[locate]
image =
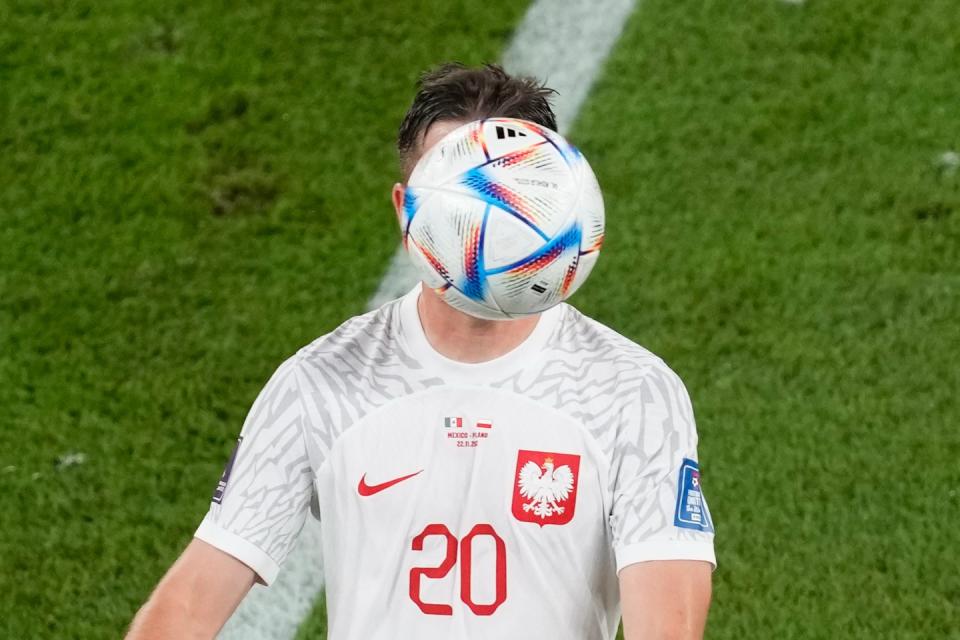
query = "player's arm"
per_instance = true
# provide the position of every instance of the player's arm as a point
(662, 528)
(255, 516)
(195, 598)
(665, 599)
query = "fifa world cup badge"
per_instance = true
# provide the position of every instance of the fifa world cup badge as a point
(691, 511)
(545, 487)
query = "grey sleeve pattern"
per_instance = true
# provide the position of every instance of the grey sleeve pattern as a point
(268, 490)
(308, 403)
(657, 435)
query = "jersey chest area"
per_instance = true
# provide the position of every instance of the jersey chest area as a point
(451, 452)
(443, 502)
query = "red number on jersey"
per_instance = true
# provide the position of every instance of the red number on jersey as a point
(433, 572)
(466, 563)
(466, 555)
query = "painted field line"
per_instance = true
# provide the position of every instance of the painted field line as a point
(563, 42)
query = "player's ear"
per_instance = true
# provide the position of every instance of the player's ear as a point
(397, 197)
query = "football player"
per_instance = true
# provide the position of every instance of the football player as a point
(531, 478)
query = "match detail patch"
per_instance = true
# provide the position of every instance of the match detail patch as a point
(692, 512)
(222, 485)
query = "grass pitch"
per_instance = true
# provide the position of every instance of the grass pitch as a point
(191, 192)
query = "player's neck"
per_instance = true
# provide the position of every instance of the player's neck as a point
(462, 337)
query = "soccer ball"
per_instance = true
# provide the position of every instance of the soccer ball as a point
(503, 218)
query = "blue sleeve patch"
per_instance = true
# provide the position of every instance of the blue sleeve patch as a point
(692, 512)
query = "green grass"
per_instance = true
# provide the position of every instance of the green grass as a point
(192, 192)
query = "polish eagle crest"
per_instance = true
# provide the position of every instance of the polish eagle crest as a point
(544, 487)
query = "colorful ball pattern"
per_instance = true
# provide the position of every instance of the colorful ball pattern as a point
(503, 218)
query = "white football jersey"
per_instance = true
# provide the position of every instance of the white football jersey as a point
(490, 501)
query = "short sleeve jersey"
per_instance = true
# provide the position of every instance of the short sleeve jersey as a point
(467, 500)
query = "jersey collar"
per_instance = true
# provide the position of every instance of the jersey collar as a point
(523, 354)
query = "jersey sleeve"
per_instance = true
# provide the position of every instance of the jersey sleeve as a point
(658, 510)
(264, 494)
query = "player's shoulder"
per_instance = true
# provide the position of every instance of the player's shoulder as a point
(362, 338)
(607, 348)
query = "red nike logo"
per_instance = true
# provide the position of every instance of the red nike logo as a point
(365, 489)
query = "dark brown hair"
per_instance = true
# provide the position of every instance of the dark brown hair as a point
(453, 91)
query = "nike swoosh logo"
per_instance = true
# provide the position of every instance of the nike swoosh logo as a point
(365, 489)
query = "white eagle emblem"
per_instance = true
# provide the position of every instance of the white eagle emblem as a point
(545, 489)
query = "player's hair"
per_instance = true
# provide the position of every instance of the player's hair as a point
(453, 91)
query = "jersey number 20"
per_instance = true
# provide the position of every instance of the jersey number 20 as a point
(466, 563)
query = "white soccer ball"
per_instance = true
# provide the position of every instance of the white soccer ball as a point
(503, 218)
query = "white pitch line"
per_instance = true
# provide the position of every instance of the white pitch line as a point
(562, 42)
(565, 43)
